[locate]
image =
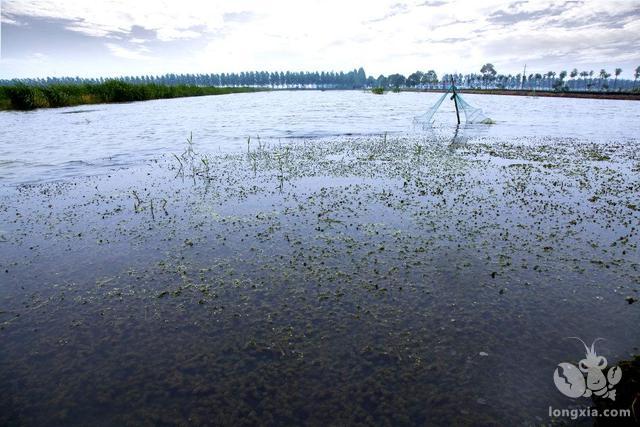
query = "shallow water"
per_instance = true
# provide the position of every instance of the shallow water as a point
(51, 144)
(418, 278)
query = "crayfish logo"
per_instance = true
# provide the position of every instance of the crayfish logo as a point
(570, 379)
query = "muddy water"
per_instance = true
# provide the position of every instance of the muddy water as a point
(417, 278)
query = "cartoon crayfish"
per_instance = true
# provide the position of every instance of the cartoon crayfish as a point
(570, 379)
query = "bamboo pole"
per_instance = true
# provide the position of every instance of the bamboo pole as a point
(455, 99)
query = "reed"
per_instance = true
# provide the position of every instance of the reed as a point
(29, 97)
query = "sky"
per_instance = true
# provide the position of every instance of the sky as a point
(91, 38)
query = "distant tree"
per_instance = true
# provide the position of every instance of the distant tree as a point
(382, 81)
(584, 75)
(361, 77)
(396, 80)
(559, 84)
(550, 76)
(617, 72)
(414, 79)
(636, 75)
(574, 73)
(603, 76)
(430, 77)
(488, 72)
(538, 78)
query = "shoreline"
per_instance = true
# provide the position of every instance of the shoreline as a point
(74, 96)
(627, 96)
(29, 98)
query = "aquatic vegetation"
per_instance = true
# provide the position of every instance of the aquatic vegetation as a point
(377, 90)
(379, 279)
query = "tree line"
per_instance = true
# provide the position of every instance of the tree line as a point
(487, 78)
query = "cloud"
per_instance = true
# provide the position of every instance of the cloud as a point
(507, 17)
(135, 53)
(394, 10)
(7, 20)
(120, 36)
(432, 3)
(170, 34)
(138, 32)
(610, 19)
(100, 18)
(450, 40)
(244, 16)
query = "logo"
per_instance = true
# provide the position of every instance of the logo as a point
(570, 379)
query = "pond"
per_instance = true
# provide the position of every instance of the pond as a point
(313, 257)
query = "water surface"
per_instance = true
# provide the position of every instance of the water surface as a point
(50, 144)
(325, 273)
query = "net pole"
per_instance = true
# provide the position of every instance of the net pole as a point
(455, 99)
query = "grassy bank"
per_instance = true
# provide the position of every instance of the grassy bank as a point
(24, 97)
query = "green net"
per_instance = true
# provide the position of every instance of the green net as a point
(471, 114)
(427, 118)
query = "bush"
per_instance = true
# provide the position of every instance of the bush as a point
(378, 90)
(25, 97)
(56, 96)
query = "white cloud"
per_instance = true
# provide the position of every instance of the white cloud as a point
(382, 35)
(137, 53)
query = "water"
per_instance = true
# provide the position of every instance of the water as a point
(335, 276)
(53, 144)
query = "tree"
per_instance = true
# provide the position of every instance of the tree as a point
(636, 75)
(415, 79)
(430, 77)
(361, 77)
(488, 72)
(538, 77)
(584, 75)
(550, 76)
(603, 76)
(396, 80)
(617, 73)
(559, 84)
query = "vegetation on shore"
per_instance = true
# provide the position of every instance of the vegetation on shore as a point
(28, 97)
(29, 94)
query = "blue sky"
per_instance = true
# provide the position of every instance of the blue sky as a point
(118, 37)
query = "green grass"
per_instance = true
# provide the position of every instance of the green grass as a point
(378, 90)
(25, 97)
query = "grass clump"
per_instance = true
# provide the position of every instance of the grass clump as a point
(377, 90)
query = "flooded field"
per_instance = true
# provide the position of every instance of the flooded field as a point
(340, 268)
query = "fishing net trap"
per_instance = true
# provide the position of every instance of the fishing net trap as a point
(471, 114)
